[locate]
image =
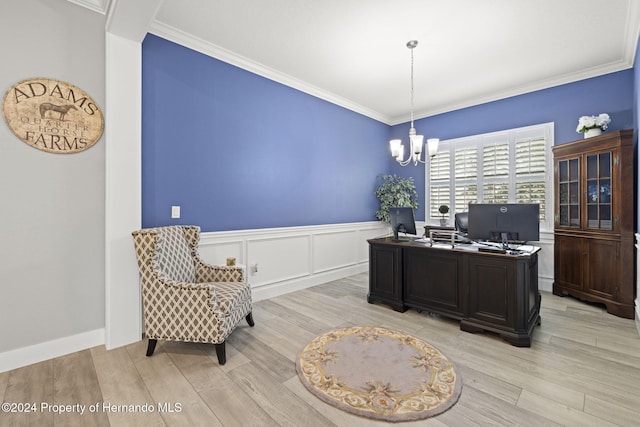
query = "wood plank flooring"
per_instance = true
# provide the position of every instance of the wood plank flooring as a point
(583, 369)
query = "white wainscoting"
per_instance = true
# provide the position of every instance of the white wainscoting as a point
(282, 260)
(545, 261)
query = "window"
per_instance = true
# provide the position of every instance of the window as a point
(511, 166)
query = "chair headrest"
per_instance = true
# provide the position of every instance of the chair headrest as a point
(462, 222)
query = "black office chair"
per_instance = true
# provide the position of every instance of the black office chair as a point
(462, 222)
(462, 227)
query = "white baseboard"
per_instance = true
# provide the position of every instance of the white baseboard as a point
(281, 288)
(545, 283)
(51, 349)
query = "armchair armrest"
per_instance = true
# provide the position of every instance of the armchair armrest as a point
(217, 273)
(197, 299)
(189, 294)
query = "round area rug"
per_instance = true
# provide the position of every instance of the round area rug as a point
(379, 373)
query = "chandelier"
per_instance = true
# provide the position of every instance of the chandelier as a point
(416, 142)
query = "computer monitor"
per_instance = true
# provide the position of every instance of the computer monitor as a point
(402, 221)
(511, 222)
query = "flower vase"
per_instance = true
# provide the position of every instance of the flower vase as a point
(592, 132)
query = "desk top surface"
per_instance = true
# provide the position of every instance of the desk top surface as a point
(514, 250)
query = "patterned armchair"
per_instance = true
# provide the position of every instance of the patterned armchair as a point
(184, 299)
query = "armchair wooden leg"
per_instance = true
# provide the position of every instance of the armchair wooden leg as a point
(222, 353)
(151, 347)
(249, 318)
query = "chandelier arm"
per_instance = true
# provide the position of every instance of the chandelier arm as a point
(405, 163)
(402, 162)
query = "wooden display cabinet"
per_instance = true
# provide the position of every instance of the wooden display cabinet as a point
(593, 222)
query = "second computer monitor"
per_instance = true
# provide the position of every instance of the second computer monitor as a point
(402, 220)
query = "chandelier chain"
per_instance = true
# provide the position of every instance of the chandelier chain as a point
(411, 86)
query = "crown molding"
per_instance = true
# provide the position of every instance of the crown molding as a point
(519, 90)
(99, 6)
(177, 36)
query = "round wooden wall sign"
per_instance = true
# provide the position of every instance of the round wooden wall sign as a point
(53, 116)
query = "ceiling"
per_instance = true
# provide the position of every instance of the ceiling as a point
(353, 52)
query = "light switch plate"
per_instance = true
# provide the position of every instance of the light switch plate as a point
(175, 211)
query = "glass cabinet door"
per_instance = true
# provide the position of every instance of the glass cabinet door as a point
(599, 207)
(569, 192)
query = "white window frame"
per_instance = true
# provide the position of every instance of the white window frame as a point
(544, 130)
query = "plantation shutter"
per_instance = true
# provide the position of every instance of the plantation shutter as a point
(511, 166)
(466, 165)
(466, 174)
(495, 173)
(530, 168)
(495, 160)
(465, 194)
(440, 177)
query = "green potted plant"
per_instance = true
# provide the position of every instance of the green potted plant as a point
(443, 209)
(395, 191)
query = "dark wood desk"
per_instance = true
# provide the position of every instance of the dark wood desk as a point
(485, 291)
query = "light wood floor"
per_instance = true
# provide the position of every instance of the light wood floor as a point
(582, 370)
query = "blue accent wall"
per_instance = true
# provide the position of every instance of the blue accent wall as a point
(563, 105)
(240, 151)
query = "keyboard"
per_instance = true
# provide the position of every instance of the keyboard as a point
(491, 250)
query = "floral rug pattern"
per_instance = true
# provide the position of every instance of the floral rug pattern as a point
(379, 373)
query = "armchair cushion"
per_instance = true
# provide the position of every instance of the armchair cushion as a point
(173, 258)
(229, 295)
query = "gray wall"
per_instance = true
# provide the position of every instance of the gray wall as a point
(52, 206)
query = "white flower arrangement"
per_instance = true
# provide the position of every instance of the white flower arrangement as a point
(591, 122)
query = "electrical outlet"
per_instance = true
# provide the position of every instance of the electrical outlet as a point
(254, 268)
(175, 211)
